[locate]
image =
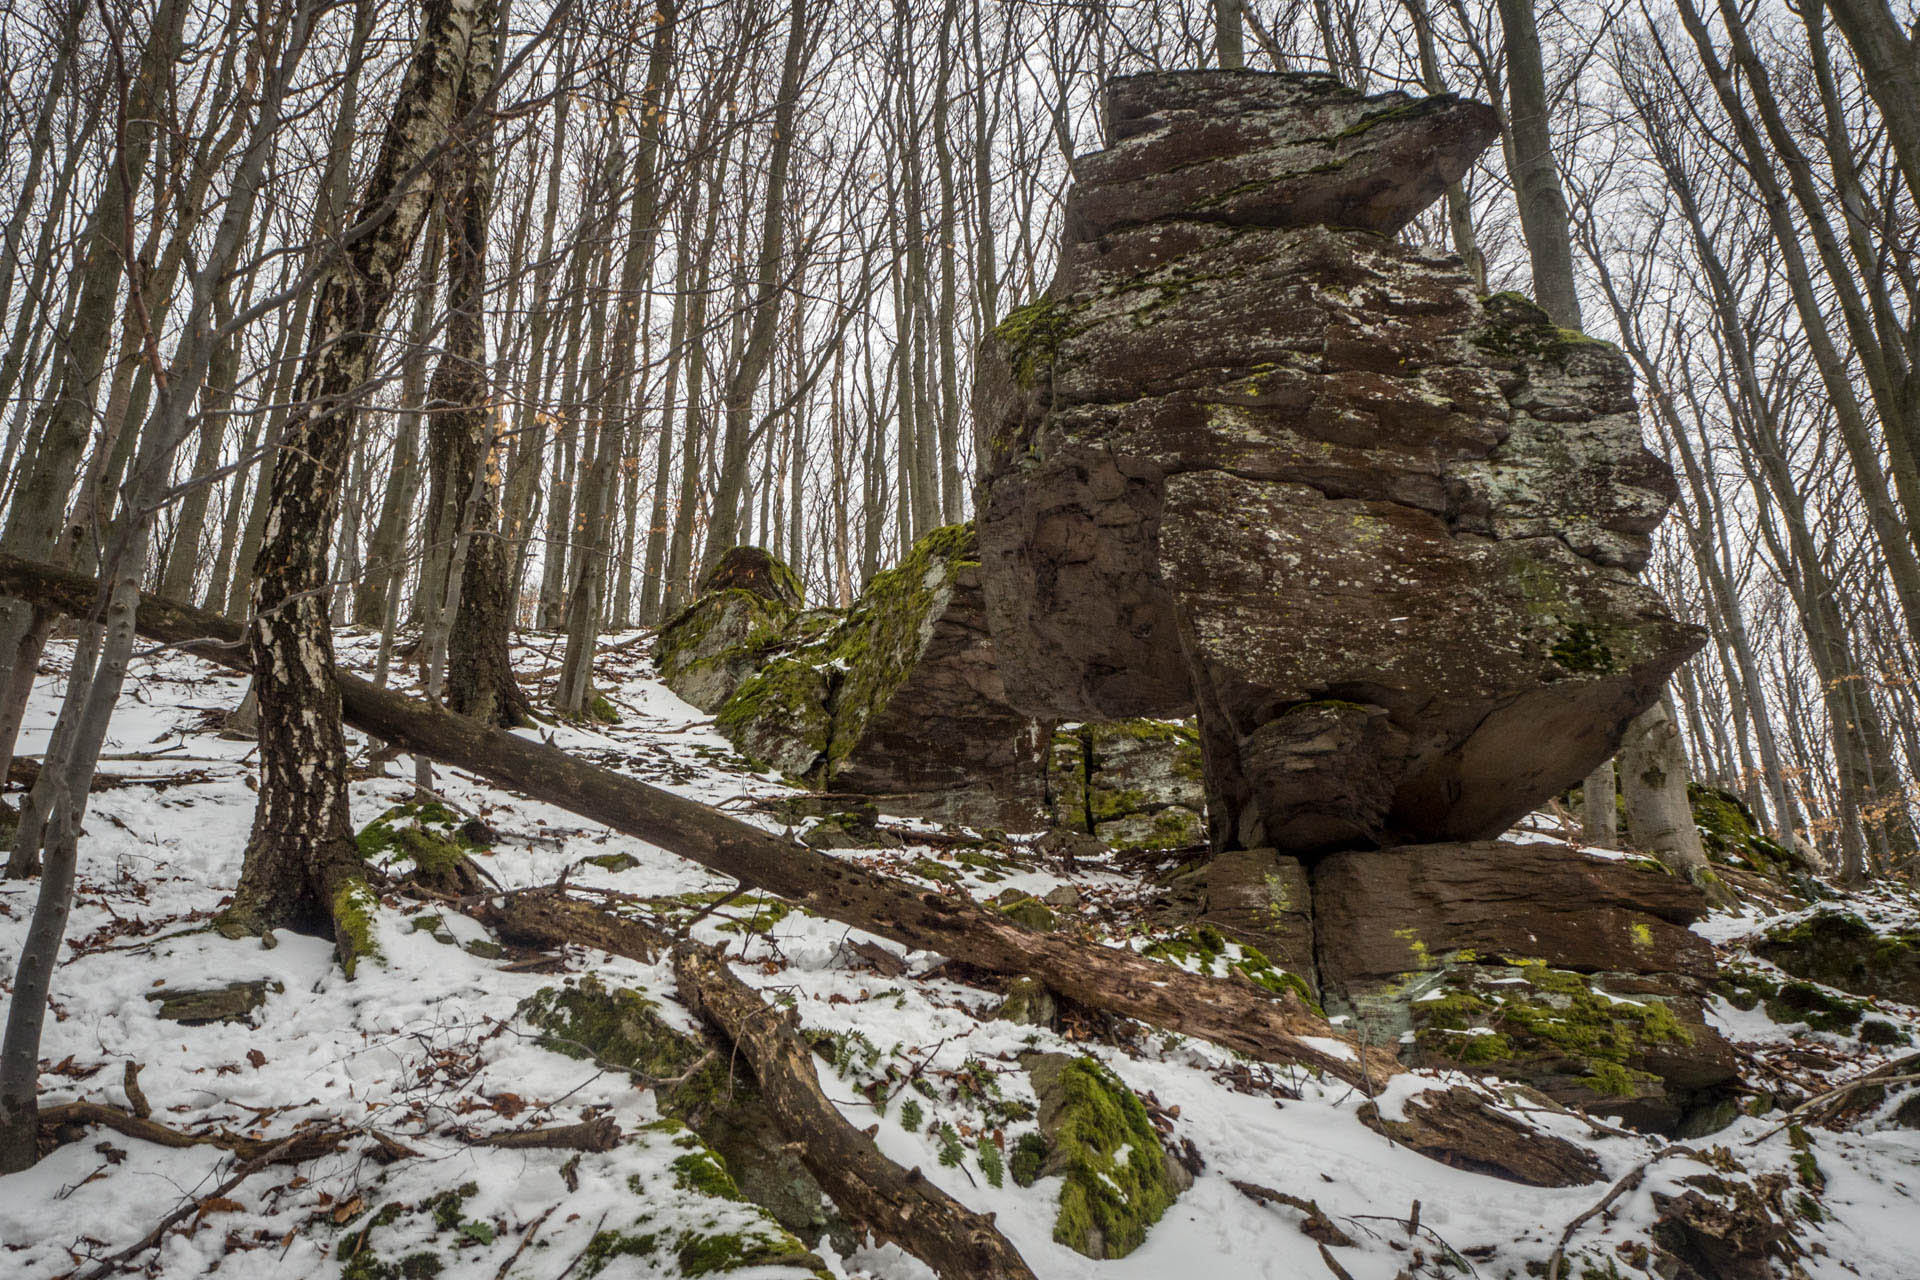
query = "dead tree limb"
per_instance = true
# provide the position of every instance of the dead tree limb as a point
(1235, 1014)
(303, 1145)
(895, 1204)
(1231, 1012)
(602, 1134)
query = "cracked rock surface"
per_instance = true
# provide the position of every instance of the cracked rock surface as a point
(1251, 458)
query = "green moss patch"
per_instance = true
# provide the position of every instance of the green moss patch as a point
(1531, 1022)
(1204, 949)
(1117, 1179)
(807, 710)
(1730, 834)
(1031, 335)
(430, 839)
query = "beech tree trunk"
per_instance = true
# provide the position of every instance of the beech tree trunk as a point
(1659, 817)
(302, 867)
(478, 667)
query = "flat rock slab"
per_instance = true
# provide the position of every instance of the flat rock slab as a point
(1243, 147)
(234, 1002)
(1380, 915)
(1378, 531)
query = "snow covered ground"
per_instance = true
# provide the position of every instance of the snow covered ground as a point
(426, 1050)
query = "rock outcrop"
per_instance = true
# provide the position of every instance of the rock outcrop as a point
(746, 609)
(901, 700)
(1539, 963)
(1134, 784)
(1250, 457)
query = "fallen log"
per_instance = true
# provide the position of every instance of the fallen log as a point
(602, 1134)
(897, 1205)
(1233, 1013)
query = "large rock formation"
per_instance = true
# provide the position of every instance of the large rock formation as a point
(1252, 457)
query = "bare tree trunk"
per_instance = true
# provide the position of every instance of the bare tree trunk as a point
(1536, 177)
(1229, 44)
(302, 866)
(37, 516)
(765, 305)
(1600, 809)
(1659, 817)
(100, 661)
(478, 670)
(585, 595)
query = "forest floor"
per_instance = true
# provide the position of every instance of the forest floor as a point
(425, 1047)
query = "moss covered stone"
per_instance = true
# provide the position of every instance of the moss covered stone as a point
(1030, 335)
(1559, 1030)
(427, 838)
(1136, 784)
(1117, 1178)
(704, 652)
(1730, 834)
(1843, 950)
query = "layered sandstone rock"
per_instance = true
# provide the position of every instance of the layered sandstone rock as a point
(901, 700)
(1133, 784)
(1539, 963)
(1252, 458)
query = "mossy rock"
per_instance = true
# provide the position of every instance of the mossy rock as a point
(1566, 1034)
(853, 829)
(1024, 908)
(1731, 835)
(780, 718)
(758, 572)
(1028, 1003)
(1135, 784)
(808, 709)
(707, 650)
(1117, 1178)
(1843, 950)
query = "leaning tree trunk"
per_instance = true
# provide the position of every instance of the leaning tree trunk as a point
(301, 863)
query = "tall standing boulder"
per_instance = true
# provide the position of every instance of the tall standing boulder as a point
(1250, 456)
